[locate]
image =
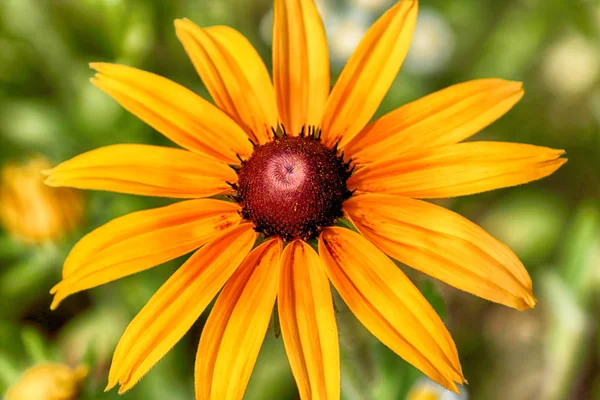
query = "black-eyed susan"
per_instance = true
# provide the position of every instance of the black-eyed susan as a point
(48, 381)
(33, 212)
(295, 158)
(425, 389)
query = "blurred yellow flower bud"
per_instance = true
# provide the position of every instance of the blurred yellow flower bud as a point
(426, 389)
(48, 382)
(32, 211)
(424, 394)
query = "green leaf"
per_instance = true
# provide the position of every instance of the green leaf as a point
(35, 345)
(275, 326)
(395, 377)
(9, 373)
(433, 296)
(579, 261)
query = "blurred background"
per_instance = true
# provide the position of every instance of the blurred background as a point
(49, 112)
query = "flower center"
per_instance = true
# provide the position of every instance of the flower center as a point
(293, 187)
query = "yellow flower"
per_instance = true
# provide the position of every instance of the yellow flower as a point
(30, 210)
(295, 158)
(425, 389)
(48, 382)
(424, 394)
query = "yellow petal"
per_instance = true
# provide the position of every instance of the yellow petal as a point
(234, 75)
(387, 303)
(308, 323)
(445, 117)
(458, 170)
(175, 307)
(142, 240)
(176, 112)
(300, 64)
(144, 170)
(369, 73)
(444, 245)
(236, 327)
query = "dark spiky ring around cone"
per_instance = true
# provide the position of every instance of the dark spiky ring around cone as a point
(293, 186)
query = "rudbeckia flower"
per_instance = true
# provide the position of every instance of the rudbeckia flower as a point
(32, 212)
(425, 389)
(48, 382)
(295, 158)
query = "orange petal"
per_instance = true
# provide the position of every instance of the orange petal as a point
(369, 73)
(176, 112)
(387, 303)
(144, 170)
(308, 323)
(444, 245)
(445, 117)
(175, 307)
(236, 327)
(458, 170)
(142, 240)
(300, 64)
(234, 75)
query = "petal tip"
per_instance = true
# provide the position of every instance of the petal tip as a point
(515, 84)
(507, 89)
(414, 4)
(49, 181)
(530, 301)
(411, 7)
(56, 287)
(182, 24)
(124, 387)
(60, 293)
(448, 383)
(454, 388)
(559, 161)
(95, 80)
(513, 90)
(526, 302)
(111, 384)
(520, 92)
(98, 66)
(179, 22)
(55, 303)
(113, 378)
